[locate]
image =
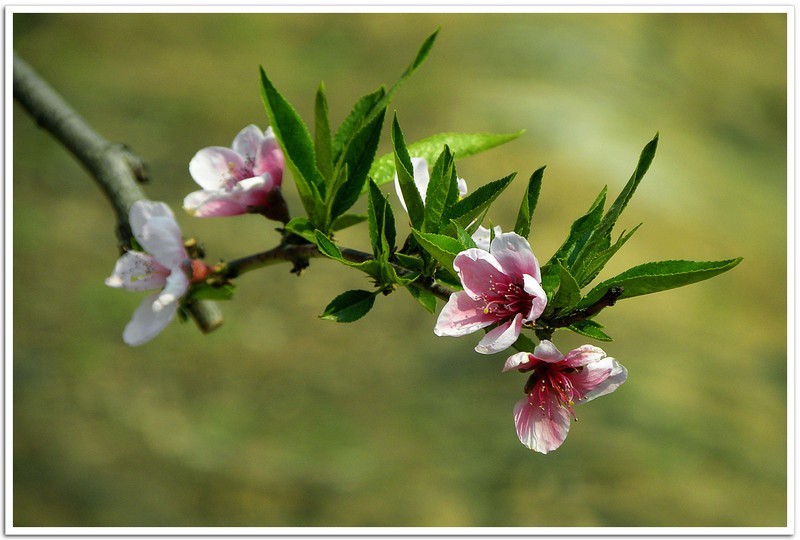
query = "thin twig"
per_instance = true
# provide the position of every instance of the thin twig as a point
(114, 167)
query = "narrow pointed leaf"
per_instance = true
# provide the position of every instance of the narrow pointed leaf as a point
(461, 145)
(468, 208)
(381, 222)
(425, 298)
(463, 236)
(347, 220)
(355, 120)
(528, 205)
(349, 306)
(323, 149)
(591, 329)
(443, 248)
(443, 178)
(659, 276)
(580, 231)
(569, 293)
(301, 227)
(405, 175)
(590, 268)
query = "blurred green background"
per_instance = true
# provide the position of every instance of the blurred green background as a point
(282, 419)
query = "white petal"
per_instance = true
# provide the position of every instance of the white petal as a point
(502, 337)
(516, 360)
(537, 430)
(142, 211)
(215, 166)
(533, 288)
(176, 286)
(421, 179)
(461, 315)
(462, 187)
(137, 271)
(547, 352)
(247, 142)
(618, 376)
(146, 322)
(515, 255)
(161, 237)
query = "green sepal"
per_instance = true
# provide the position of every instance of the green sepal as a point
(591, 329)
(425, 298)
(470, 207)
(659, 276)
(430, 148)
(349, 306)
(528, 205)
(298, 149)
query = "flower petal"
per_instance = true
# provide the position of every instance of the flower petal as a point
(137, 271)
(502, 337)
(142, 211)
(583, 355)
(515, 256)
(478, 270)
(517, 361)
(161, 237)
(270, 159)
(483, 236)
(599, 378)
(147, 322)
(538, 430)
(214, 167)
(462, 188)
(461, 315)
(176, 286)
(539, 300)
(247, 142)
(212, 203)
(547, 352)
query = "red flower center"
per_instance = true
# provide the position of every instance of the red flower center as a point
(505, 300)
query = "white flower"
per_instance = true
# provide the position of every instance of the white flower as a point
(165, 266)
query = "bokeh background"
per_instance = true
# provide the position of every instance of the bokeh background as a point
(282, 419)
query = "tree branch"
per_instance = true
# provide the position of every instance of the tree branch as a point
(113, 166)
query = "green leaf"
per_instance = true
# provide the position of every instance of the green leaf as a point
(412, 263)
(524, 344)
(370, 267)
(405, 175)
(528, 205)
(204, 291)
(463, 236)
(569, 293)
(659, 276)
(347, 220)
(589, 269)
(443, 248)
(349, 306)
(355, 120)
(298, 149)
(461, 145)
(357, 157)
(426, 298)
(443, 178)
(381, 222)
(302, 227)
(580, 231)
(323, 149)
(591, 329)
(468, 208)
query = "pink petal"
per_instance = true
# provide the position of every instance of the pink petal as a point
(147, 322)
(583, 355)
(536, 429)
(478, 270)
(599, 378)
(215, 166)
(137, 271)
(516, 361)
(461, 315)
(533, 288)
(502, 337)
(142, 211)
(515, 256)
(161, 237)
(229, 202)
(247, 142)
(270, 159)
(547, 352)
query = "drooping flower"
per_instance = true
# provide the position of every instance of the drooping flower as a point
(556, 384)
(501, 286)
(242, 179)
(165, 266)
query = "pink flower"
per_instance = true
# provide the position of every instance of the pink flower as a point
(557, 383)
(501, 286)
(165, 266)
(237, 180)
